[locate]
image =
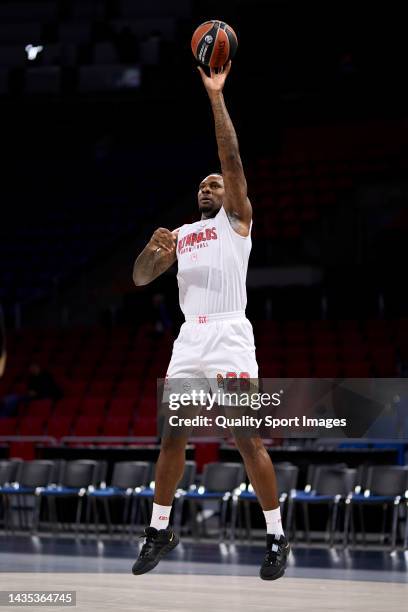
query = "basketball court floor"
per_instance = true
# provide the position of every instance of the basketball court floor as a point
(203, 576)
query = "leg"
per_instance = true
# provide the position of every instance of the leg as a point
(169, 469)
(262, 476)
(160, 538)
(260, 471)
(171, 462)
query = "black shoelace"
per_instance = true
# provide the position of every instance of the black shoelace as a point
(272, 556)
(147, 546)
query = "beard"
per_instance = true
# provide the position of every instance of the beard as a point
(209, 209)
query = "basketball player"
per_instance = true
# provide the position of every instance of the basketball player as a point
(216, 338)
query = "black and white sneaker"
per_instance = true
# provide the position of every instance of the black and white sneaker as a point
(157, 544)
(274, 565)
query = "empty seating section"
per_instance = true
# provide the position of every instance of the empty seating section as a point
(109, 379)
(56, 246)
(97, 46)
(289, 196)
(316, 171)
(96, 38)
(117, 497)
(333, 349)
(76, 48)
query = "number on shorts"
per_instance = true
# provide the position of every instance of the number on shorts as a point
(244, 381)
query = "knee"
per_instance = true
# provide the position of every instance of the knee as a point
(250, 448)
(172, 445)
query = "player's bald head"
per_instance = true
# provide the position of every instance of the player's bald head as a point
(215, 175)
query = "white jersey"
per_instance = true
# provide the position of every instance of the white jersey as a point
(212, 266)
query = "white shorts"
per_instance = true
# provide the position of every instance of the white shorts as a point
(209, 347)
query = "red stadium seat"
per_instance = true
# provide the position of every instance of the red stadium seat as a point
(325, 337)
(145, 427)
(93, 406)
(149, 386)
(322, 354)
(76, 388)
(347, 327)
(107, 372)
(268, 356)
(320, 325)
(40, 408)
(296, 339)
(67, 406)
(130, 374)
(353, 352)
(31, 426)
(147, 405)
(100, 388)
(384, 362)
(291, 353)
(347, 337)
(327, 369)
(59, 426)
(358, 369)
(128, 388)
(88, 425)
(401, 327)
(271, 369)
(139, 353)
(121, 407)
(206, 452)
(298, 369)
(116, 426)
(8, 426)
(24, 450)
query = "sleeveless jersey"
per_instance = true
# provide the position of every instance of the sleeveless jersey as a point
(212, 266)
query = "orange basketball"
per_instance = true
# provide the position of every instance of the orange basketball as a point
(214, 43)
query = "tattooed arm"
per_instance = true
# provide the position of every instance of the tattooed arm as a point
(236, 202)
(157, 256)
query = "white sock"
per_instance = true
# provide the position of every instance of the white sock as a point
(160, 516)
(274, 524)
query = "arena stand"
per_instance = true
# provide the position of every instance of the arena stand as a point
(117, 66)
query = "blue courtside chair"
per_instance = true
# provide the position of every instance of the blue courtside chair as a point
(31, 478)
(128, 477)
(330, 486)
(76, 477)
(387, 486)
(286, 479)
(218, 483)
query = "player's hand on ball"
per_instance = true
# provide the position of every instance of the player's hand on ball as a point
(216, 81)
(163, 239)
